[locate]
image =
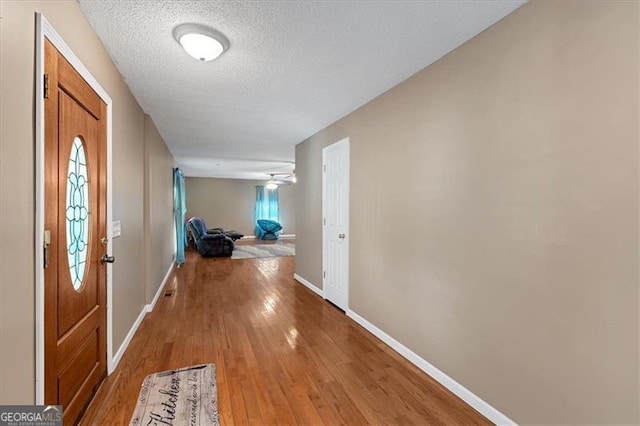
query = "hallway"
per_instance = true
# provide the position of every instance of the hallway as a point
(283, 355)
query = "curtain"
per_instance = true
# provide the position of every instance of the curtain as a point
(272, 208)
(266, 206)
(179, 213)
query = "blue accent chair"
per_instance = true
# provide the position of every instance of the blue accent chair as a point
(207, 244)
(268, 229)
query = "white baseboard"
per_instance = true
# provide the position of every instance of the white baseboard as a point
(127, 339)
(463, 393)
(149, 307)
(308, 284)
(134, 328)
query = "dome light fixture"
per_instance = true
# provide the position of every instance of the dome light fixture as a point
(201, 42)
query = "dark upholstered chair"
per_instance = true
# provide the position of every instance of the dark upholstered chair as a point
(233, 234)
(209, 245)
(268, 229)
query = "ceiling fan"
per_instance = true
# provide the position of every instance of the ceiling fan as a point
(283, 179)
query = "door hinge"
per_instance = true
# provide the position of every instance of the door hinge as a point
(45, 245)
(324, 220)
(46, 86)
(324, 274)
(324, 168)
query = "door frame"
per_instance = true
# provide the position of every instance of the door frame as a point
(335, 145)
(45, 30)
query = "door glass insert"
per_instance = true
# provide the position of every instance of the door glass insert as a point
(77, 213)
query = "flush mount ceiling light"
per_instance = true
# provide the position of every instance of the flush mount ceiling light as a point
(202, 43)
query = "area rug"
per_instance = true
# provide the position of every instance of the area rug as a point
(264, 250)
(187, 396)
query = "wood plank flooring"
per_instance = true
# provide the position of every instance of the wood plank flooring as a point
(283, 355)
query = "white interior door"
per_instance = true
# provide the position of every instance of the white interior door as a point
(335, 195)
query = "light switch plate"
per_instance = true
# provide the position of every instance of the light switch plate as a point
(117, 229)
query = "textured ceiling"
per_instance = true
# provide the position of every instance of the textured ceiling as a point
(293, 67)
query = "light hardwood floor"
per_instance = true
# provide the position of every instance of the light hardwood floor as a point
(283, 355)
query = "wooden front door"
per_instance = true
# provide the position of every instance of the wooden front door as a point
(75, 219)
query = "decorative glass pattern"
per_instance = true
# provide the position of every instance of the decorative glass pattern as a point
(77, 213)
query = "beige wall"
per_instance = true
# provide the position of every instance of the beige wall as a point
(230, 203)
(494, 213)
(308, 209)
(17, 324)
(287, 205)
(160, 236)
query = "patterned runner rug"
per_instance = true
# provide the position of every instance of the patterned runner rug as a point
(264, 250)
(187, 396)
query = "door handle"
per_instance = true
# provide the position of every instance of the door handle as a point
(107, 259)
(342, 236)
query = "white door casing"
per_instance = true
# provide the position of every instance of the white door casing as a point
(335, 207)
(45, 30)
